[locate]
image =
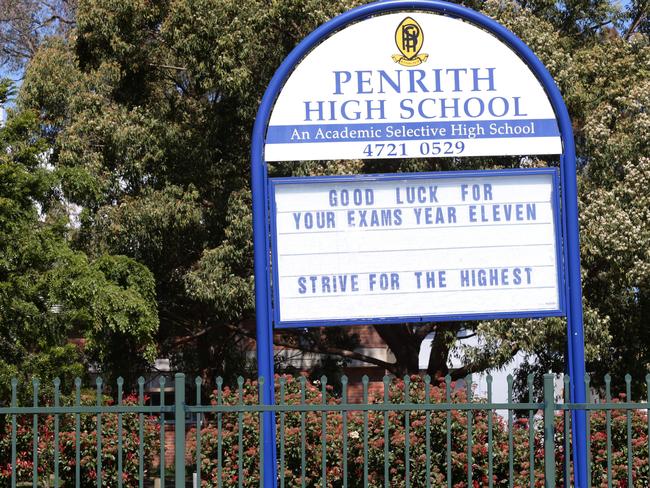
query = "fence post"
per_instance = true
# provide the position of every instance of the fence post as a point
(549, 431)
(179, 430)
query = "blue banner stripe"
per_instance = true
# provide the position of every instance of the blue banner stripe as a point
(411, 131)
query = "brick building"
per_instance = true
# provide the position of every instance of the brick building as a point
(371, 345)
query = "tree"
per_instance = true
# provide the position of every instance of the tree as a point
(148, 107)
(615, 219)
(50, 292)
(606, 89)
(25, 24)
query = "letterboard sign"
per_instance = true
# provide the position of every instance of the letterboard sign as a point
(411, 84)
(410, 79)
(420, 246)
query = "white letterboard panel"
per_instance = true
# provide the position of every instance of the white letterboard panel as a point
(405, 247)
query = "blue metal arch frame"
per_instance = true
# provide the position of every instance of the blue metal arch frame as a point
(259, 186)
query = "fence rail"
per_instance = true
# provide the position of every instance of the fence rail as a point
(412, 434)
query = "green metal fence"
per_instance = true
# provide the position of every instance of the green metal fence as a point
(408, 432)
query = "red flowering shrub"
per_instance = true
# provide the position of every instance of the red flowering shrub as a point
(619, 447)
(88, 448)
(351, 441)
(220, 443)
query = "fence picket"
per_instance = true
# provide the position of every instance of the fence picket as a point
(35, 384)
(14, 404)
(549, 432)
(198, 382)
(324, 431)
(77, 437)
(628, 423)
(120, 481)
(179, 430)
(448, 428)
(511, 461)
(161, 383)
(470, 461)
(141, 433)
(57, 394)
(386, 382)
(283, 382)
(490, 413)
(344, 416)
(427, 431)
(608, 427)
(589, 456)
(240, 424)
(407, 433)
(531, 432)
(364, 382)
(98, 382)
(567, 432)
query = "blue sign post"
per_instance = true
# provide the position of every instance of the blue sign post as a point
(412, 53)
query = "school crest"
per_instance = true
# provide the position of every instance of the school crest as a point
(409, 39)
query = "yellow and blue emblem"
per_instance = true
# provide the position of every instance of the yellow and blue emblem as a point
(409, 39)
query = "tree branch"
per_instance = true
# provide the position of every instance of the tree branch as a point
(337, 351)
(475, 366)
(423, 331)
(51, 19)
(595, 27)
(167, 66)
(439, 353)
(179, 341)
(636, 22)
(468, 336)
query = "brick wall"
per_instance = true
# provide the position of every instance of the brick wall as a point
(368, 336)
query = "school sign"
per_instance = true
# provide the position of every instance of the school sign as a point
(414, 79)
(411, 84)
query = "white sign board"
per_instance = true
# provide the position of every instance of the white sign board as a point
(416, 246)
(411, 84)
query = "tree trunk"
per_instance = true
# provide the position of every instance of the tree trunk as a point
(404, 344)
(439, 353)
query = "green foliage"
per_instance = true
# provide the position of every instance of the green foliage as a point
(6, 90)
(148, 107)
(614, 95)
(223, 276)
(50, 292)
(603, 75)
(145, 109)
(617, 236)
